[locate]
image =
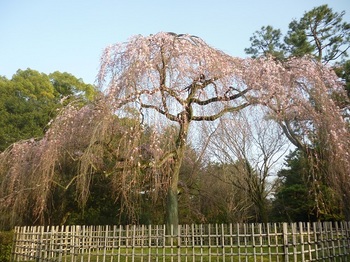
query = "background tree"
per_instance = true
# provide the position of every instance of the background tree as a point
(266, 42)
(254, 150)
(31, 99)
(321, 34)
(293, 201)
(68, 87)
(219, 200)
(27, 102)
(343, 70)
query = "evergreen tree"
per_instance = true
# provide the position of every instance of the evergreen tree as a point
(294, 201)
(31, 99)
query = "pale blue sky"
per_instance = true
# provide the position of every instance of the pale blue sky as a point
(69, 35)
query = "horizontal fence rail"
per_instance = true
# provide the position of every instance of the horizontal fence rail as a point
(325, 241)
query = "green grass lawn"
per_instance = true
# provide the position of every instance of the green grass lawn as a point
(169, 254)
(188, 254)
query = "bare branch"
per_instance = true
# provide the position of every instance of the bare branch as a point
(221, 98)
(220, 114)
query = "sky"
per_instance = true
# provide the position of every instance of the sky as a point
(70, 35)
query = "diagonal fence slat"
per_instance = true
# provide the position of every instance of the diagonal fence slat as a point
(326, 241)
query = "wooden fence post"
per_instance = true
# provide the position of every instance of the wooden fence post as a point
(285, 241)
(39, 243)
(14, 249)
(301, 232)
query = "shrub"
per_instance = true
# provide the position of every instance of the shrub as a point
(6, 238)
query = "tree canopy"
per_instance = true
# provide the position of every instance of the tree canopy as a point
(31, 99)
(320, 33)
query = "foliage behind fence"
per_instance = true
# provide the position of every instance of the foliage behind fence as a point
(6, 238)
(216, 242)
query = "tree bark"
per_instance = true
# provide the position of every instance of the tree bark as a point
(172, 214)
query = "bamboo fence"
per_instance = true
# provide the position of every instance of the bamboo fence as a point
(325, 241)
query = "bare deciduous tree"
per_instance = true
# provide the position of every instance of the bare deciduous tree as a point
(251, 146)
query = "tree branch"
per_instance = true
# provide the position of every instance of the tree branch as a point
(290, 134)
(221, 113)
(219, 98)
(163, 112)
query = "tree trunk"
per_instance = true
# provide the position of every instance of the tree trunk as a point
(172, 212)
(172, 216)
(263, 214)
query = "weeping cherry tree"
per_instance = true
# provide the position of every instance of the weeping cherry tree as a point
(177, 79)
(156, 81)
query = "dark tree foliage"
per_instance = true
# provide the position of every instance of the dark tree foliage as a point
(343, 70)
(266, 42)
(294, 201)
(320, 32)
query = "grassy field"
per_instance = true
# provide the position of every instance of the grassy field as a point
(188, 254)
